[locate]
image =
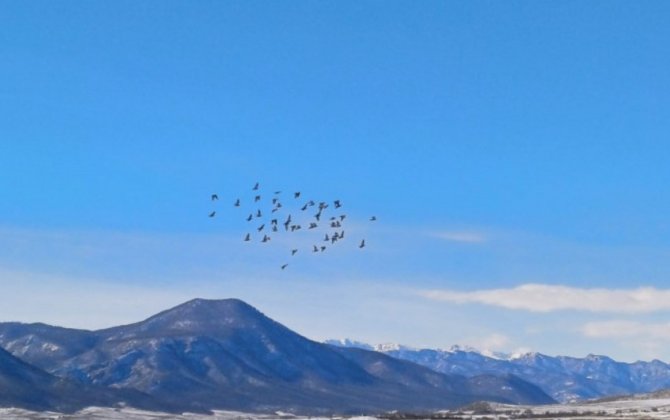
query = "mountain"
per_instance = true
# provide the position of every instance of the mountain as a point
(225, 354)
(24, 385)
(565, 379)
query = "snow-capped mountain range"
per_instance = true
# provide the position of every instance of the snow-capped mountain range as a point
(225, 354)
(565, 378)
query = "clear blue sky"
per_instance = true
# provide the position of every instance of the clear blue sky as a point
(499, 143)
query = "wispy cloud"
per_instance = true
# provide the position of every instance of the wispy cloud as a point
(626, 329)
(470, 237)
(549, 298)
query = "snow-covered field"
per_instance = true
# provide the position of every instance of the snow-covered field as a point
(623, 409)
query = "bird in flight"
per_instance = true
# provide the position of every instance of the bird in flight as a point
(284, 266)
(373, 218)
(296, 194)
(257, 198)
(261, 227)
(258, 213)
(337, 204)
(251, 216)
(255, 188)
(237, 203)
(212, 214)
(215, 197)
(247, 238)
(362, 245)
(265, 238)
(293, 252)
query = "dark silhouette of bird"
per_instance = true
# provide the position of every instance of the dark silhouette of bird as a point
(274, 200)
(293, 252)
(313, 225)
(373, 218)
(333, 218)
(257, 198)
(258, 213)
(277, 192)
(296, 194)
(274, 229)
(251, 216)
(342, 217)
(261, 227)
(310, 203)
(274, 222)
(327, 238)
(265, 238)
(255, 188)
(337, 204)
(237, 202)
(318, 216)
(212, 214)
(315, 249)
(303, 208)
(284, 266)
(215, 197)
(323, 248)
(247, 238)
(341, 234)
(362, 245)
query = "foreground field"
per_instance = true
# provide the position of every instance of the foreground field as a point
(658, 408)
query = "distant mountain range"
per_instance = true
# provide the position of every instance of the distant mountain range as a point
(565, 379)
(225, 354)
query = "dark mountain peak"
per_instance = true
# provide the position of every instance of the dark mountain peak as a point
(196, 317)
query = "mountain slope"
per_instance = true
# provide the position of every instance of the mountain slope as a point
(564, 378)
(226, 354)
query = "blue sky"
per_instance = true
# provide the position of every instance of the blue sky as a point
(500, 144)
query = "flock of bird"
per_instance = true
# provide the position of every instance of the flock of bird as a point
(274, 219)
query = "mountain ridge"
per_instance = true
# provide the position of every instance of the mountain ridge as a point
(565, 378)
(226, 354)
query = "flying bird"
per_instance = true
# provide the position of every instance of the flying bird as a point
(215, 197)
(261, 227)
(337, 204)
(326, 238)
(315, 249)
(274, 229)
(284, 266)
(303, 208)
(313, 225)
(212, 214)
(255, 188)
(373, 218)
(257, 198)
(265, 238)
(323, 248)
(296, 194)
(247, 238)
(237, 203)
(362, 245)
(251, 216)
(293, 252)
(342, 217)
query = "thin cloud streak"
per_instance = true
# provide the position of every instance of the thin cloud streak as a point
(550, 298)
(461, 236)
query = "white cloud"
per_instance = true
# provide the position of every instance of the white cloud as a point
(495, 342)
(549, 298)
(626, 329)
(461, 236)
